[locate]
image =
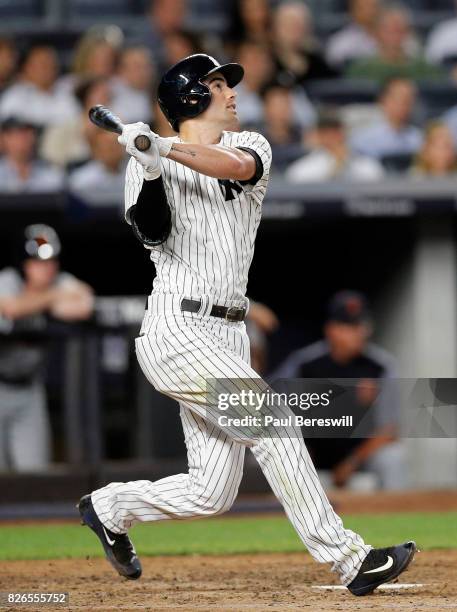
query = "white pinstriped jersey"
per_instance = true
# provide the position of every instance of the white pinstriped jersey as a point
(208, 253)
(214, 225)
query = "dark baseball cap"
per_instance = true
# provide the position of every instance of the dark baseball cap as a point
(329, 119)
(348, 307)
(13, 122)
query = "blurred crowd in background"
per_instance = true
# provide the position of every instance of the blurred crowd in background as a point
(361, 91)
(398, 81)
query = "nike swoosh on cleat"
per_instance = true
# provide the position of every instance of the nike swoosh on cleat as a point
(110, 542)
(384, 567)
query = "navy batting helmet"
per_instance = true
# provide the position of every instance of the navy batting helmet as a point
(182, 93)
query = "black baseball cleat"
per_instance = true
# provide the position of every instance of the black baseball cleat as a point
(118, 547)
(382, 565)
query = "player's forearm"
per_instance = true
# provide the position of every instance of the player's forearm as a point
(25, 304)
(214, 160)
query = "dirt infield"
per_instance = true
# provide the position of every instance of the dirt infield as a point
(350, 502)
(273, 582)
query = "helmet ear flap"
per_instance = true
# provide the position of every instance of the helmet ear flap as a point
(195, 101)
(191, 99)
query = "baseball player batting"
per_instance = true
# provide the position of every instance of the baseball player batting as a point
(195, 201)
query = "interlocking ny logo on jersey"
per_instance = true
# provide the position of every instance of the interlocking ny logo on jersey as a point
(228, 187)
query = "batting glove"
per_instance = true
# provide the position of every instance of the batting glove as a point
(150, 159)
(164, 144)
(137, 128)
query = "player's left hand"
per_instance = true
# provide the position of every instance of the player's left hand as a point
(150, 159)
(163, 144)
(134, 129)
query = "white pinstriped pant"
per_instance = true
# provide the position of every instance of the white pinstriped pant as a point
(178, 352)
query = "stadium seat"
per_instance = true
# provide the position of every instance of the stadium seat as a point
(400, 162)
(10, 9)
(449, 62)
(422, 5)
(319, 7)
(437, 97)
(283, 156)
(337, 92)
(438, 5)
(205, 16)
(104, 8)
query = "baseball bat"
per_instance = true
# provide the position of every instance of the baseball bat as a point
(105, 119)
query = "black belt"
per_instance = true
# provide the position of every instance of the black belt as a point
(231, 313)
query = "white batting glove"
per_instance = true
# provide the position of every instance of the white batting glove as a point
(150, 159)
(164, 144)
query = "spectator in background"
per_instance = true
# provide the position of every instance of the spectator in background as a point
(35, 98)
(165, 17)
(96, 56)
(450, 119)
(398, 51)
(357, 39)
(263, 316)
(105, 172)
(331, 157)
(132, 86)
(296, 53)
(441, 44)
(27, 297)
(258, 346)
(251, 20)
(68, 144)
(437, 157)
(258, 72)
(260, 322)
(258, 75)
(281, 130)
(97, 53)
(20, 170)
(346, 353)
(8, 62)
(177, 45)
(393, 134)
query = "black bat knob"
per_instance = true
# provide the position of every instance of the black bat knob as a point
(105, 119)
(142, 142)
